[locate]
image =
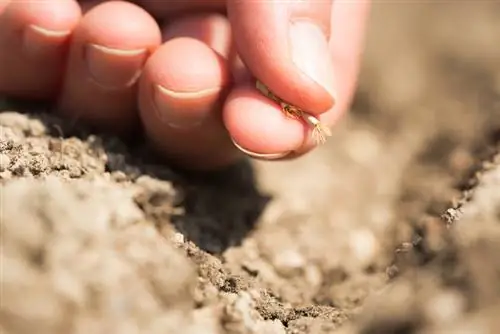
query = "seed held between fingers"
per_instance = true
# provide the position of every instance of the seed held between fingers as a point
(320, 132)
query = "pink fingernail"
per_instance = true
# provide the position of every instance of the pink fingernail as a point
(311, 54)
(184, 109)
(39, 41)
(114, 68)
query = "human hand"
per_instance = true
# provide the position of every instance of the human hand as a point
(190, 79)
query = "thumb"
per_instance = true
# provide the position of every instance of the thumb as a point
(286, 46)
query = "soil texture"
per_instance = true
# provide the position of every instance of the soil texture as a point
(392, 227)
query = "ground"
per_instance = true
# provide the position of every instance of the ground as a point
(392, 227)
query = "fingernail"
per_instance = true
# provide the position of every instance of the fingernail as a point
(39, 41)
(311, 54)
(114, 68)
(264, 156)
(184, 109)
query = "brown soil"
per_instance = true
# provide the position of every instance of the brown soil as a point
(393, 227)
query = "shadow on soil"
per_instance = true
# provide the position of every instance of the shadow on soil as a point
(219, 208)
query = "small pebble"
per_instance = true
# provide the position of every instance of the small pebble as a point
(445, 307)
(288, 261)
(364, 245)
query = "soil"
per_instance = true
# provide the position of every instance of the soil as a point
(392, 227)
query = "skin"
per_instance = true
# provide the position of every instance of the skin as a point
(185, 70)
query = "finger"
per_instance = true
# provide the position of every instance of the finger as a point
(212, 29)
(258, 126)
(109, 49)
(285, 45)
(34, 37)
(181, 92)
(265, 132)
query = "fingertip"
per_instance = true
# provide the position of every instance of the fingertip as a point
(40, 28)
(186, 64)
(180, 96)
(48, 15)
(211, 28)
(34, 39)
(258, 125)
(108, 50)
(120, 25)
(181, 83)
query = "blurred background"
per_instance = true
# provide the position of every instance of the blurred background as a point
(427, 106)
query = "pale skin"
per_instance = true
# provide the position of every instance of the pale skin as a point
(185, 71)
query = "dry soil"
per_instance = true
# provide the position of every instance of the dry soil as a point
(392, 227)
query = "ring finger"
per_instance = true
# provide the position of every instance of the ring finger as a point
(182, 90)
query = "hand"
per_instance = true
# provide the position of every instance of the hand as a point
(189, 81)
